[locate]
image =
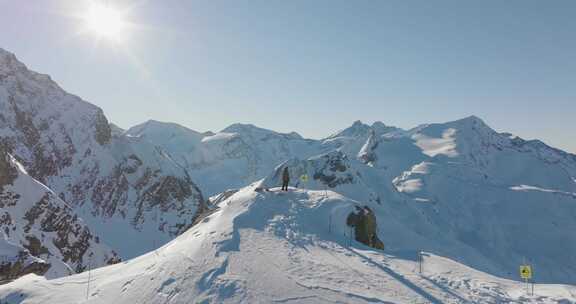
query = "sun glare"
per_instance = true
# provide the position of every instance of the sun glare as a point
(105, 21)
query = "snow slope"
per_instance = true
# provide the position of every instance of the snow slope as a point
(462, 191)
(466, 181)
(124, 187)
(36, 224)
(276, 247)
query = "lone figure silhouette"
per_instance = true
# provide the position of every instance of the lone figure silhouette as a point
(285, 179)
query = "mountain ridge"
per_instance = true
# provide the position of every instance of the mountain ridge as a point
(112, 180)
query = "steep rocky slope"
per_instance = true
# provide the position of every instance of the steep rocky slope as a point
(41, 233)
(124, 188)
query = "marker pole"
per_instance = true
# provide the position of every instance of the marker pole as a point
(420, 260)
(525, 277)
(88, 286)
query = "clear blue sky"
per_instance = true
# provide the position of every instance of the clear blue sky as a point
(315, 66)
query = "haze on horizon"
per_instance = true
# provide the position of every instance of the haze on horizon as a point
(313, 68)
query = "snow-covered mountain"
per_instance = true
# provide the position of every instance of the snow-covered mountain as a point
(465, 194)
(351, 140)
(41, 233)
(123, 187)
(243, 153)
(276, 247)
(463, 191)
(458, 189)
(232, 158)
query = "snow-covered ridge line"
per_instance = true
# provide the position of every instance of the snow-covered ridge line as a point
(273, 246)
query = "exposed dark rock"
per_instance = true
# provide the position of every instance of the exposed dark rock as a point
(35, 246)
(365, 227)
(21, 265)
(7, 172)
(331, 173)
(103, 130)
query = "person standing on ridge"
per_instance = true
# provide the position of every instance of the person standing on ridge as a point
(285, 179)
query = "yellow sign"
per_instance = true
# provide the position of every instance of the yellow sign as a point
(304, 178)
(525, 272)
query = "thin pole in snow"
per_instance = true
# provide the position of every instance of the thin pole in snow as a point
(330, 223)
(155, 240)
(89, 268)
(420, 262)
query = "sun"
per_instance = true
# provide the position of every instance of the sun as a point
(105, 21)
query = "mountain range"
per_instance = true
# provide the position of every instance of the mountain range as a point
(202, 209)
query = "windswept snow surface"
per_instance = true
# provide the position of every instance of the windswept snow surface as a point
(278, 247)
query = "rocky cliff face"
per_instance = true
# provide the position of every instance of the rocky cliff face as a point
(16, 261)
(41, 233)
(121, 186)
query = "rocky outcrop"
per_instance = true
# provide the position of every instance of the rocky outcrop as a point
(365, 227)
(366, 154)
(7, 172)
(334, 171)
(23, 263)
(103, 129)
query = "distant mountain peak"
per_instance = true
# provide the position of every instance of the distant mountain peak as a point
(468, 123)
(360, 129)
(9, 64)
(151, 127)
(242, 128)
(472, 119)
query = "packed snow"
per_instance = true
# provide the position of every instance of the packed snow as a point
(279, 247)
